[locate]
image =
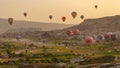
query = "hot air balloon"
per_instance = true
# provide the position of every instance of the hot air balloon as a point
(25, 14)
(63, 18)
(100, 37)
(107, 36)
(10, 21)
(97, 38)
(76, 31)
(74, 14)
(50, 17)
(96, 6)
(110, 34)
(113, 37)
(89, 40)
(94, 37)
(18, 36)
(82, 16)
(69, 32)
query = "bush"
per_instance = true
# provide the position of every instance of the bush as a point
(103, 59)
(46, 61)
(21, 55)
(55, 60)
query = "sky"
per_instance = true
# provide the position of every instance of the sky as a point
(39, 10)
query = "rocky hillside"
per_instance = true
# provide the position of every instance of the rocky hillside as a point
(100, 25)
(87, 27)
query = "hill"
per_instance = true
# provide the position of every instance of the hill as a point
(23, 26)
(87, 27)
(100, 25)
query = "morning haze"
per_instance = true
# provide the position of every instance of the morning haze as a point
(59, 33)
(39, 10)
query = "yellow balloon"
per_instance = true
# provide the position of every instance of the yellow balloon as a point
(10, 21)
(74, 14)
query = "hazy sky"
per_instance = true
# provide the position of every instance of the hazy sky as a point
(39, 10)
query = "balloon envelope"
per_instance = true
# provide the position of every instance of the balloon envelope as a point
(25, 14)
(107, 36)
(113, 37)
(69, 32)
(74, 14)
(63, 18)
(96, 6)
(18, 36)
(50, 17)
(89, 40)
(10, 21)
(100, 37)
(76, 31)
(82, 16)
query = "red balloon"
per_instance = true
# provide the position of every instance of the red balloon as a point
(89, 40)
(76, 31)
(69, 32)
(63, 18)
(108, 35)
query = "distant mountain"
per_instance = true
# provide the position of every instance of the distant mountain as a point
(24, 26)
(87, 27)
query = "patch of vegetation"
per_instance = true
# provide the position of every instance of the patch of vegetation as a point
(102, 59)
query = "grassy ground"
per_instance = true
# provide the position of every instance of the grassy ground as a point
(92, 51)
(8, 66)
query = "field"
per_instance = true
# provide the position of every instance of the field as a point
(14, 53)
(8, 66)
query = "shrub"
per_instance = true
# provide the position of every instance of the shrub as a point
(103, 59)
